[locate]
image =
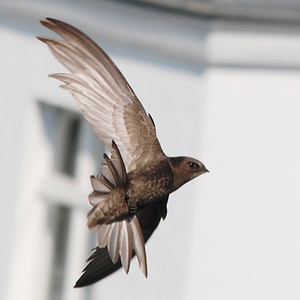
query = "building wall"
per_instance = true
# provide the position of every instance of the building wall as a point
(224, 91)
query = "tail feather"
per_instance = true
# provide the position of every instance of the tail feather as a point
(99, 263)
(104, 235)
(113, 244)
(118, 161)
(139, 245)
(123, 237)
(106, 182)
(96, 198)
(126, 246)
(99, 186)
(109, 171)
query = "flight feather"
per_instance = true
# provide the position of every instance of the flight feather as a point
(104, 96)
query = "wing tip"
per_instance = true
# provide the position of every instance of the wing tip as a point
(48, 22)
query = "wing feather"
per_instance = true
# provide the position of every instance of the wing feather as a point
(104, 96)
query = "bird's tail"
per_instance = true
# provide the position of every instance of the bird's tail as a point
(123, 237)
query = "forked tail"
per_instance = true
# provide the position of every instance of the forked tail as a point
(123, 237)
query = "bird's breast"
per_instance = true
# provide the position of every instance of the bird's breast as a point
(150, 184)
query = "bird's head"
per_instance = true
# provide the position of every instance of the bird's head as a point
(186, 169)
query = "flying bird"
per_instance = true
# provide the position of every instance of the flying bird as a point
(131, 191)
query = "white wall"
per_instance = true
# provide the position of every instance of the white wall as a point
(247, 221)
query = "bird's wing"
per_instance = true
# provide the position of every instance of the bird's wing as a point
(100, 264)
(104, 96)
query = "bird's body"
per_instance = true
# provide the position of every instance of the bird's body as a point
(141, 188)
(122, 198)
(131, 191)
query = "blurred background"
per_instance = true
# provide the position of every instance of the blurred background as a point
(222, 81)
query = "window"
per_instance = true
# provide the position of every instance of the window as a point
(73, 146)
(61, 215)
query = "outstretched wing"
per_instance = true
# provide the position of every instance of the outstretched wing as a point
(100, 264)
(104, 96)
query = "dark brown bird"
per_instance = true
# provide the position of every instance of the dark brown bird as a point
(131, 191)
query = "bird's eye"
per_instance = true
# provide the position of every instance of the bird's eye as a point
(193, 165)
